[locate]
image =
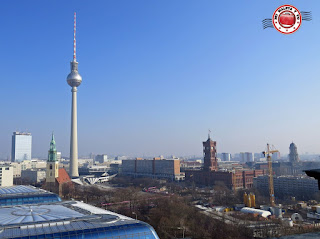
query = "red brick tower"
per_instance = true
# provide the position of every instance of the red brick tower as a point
(210, 155)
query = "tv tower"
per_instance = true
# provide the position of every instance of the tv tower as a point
(74, 80)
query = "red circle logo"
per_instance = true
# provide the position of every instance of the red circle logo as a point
(286, 19)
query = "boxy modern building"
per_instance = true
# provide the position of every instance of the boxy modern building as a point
(156, 168)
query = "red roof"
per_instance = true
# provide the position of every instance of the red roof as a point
(63, 176)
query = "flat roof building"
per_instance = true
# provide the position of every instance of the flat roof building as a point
(156, 168)
(287, 186)
(70, 219)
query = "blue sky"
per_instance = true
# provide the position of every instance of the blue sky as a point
(158, 74)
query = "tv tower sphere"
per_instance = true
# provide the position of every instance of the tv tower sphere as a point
(74, 79)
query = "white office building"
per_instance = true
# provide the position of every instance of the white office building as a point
(6, 176)
(21, 146)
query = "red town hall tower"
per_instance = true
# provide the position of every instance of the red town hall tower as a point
(210, 155)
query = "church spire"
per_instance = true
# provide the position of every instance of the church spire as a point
(52, 154)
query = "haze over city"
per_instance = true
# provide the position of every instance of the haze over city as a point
(158, 75)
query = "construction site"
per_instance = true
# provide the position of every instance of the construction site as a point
(271, 218)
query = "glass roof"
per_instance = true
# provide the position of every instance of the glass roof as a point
(70, 219)
(37, 213)
(17, 189)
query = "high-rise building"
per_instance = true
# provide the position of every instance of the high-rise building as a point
(74, 80)
(101, 158)
(210, 155)
(21, 146)
(293, 153)
(225, 157)
(246, 157)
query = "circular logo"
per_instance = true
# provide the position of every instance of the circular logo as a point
(286, 19)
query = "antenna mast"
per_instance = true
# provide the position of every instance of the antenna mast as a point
(74, 36)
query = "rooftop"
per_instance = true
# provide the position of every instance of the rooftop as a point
(24, 195)
(67, 220)
(20, 189)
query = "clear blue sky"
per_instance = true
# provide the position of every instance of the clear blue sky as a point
(158, 74)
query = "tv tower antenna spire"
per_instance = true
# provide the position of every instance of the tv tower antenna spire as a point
(74, 37)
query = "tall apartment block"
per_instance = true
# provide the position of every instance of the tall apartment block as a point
(225, 157)
(21, 146)
(246, 157)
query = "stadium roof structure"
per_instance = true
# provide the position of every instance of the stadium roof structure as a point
(21, 194)
(69, 219)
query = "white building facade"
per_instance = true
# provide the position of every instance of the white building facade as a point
(6, 176)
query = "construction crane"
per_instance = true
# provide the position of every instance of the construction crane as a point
(268, 153)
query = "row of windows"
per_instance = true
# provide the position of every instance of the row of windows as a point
(102, 233)
(28, 200)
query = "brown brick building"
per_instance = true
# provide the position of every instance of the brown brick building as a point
(210, 175)
(232, 179)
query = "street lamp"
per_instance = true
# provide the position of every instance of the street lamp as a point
(136, 215)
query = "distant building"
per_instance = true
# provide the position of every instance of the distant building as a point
(59, 156)
(225, 157)
(247, 157)
(101, 158)
(288, 186)
(156, 168)
(6, 176)
(184, 165)
(33, 175)
(120, 158)
(293, 153)
(276, 156)
(16, 169)
(21, 146)
(233, 180)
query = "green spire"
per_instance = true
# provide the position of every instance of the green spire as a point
(52, 155)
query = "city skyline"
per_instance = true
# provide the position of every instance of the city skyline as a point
(157, 80)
